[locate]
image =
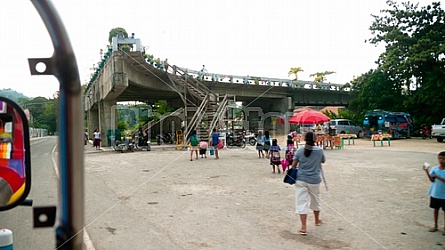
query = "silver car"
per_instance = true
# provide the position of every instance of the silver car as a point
(345, 126)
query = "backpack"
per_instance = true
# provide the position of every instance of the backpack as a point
(193, 140)
(275, 154)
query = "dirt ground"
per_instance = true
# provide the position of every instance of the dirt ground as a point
(376, 199)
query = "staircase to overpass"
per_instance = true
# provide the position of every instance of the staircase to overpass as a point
(209, 106)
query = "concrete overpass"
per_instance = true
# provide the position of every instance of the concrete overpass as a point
(131, 76)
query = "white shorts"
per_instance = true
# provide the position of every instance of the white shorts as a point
(303, 192)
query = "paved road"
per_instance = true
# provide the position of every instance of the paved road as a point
(377, 199)
(160, 200)
(43, 193)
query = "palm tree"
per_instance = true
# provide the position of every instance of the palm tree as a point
(321, 76)
(295, 71)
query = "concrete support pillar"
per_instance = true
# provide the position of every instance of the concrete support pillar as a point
(253, 116)
(270, 114)
(285, 108)
(93, 121)
(107, 120)
(285, 105)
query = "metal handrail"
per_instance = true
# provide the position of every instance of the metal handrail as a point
(196, 117)
(219, 112)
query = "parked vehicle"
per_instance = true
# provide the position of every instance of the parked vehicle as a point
(236, 140)
(126, 145)
(438, 131)
(397, 124)
(166, 138)
(425, 132)
(252, 139)
(142, 141)
(345, 126)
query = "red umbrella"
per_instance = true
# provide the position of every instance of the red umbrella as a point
(309, 117)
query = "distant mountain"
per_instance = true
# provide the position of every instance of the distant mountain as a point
(12, 94)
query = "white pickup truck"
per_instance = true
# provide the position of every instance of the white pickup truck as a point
(438, 131)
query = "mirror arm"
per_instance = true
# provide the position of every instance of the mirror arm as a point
(27, 202)
(63, 66)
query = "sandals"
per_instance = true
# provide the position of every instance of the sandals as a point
(319, 223)
(303, 232)
(433, 230)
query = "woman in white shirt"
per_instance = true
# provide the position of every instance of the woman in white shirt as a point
(96, 136)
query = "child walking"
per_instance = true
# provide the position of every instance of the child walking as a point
(259, 145)
(437, 189)
(193, 140)
(203, 149)
(266, 141)
(275, 159)
(289, 157)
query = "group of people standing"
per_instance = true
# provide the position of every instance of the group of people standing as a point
(201, 147)
(268, 148)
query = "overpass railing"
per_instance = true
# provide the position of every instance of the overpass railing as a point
(178, 71)
(263, 81)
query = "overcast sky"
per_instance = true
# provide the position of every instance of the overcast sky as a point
(233, 37)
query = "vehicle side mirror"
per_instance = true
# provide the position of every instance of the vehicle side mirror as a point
(15, 160)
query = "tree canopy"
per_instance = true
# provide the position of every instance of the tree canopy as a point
(410, 75)
(43, 111)
(321, 76)
(295, 71)
(114, 32)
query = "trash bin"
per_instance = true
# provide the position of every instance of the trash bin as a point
(116, 135)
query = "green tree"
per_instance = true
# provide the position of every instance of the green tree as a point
(122, 125)
(114, 32)
(43, 111)
(321, 76)
(414, 58)
(375, 90)
(49, 116)
(295, 71)
(36, 107)
(162, 107)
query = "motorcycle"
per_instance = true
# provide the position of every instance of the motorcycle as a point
(127, 145)
(425, 132)
(167, 138)
(236, 140)
(143, 143)
(252, 139)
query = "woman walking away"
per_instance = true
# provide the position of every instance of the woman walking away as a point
(307, 186)
(267, 142)
(275, 159)
(259, 144)
(96, 136)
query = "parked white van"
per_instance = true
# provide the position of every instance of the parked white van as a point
(345, 126)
